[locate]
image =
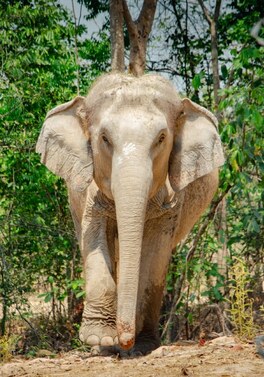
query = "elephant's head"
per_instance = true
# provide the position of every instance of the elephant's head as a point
(129, 134)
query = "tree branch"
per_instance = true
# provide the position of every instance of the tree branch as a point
(131, 26)
(205, 12)
(138, 32)
(146, 16)
(256, 31)
(172, 71)
(217, 10)
(76, 49)
(212, 21)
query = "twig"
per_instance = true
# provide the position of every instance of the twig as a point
(29, 324)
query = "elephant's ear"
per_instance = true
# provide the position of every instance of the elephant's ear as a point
(197, 148)
(63, 146)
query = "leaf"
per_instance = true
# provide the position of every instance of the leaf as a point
(51, 279)
(48, 297)
(196, 81)
(224, 71)
(80, 294)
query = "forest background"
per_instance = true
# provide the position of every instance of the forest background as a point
(208, 49)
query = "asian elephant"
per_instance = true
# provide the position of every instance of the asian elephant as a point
(141, 166)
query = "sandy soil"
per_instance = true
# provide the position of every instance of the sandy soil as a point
(221, 357)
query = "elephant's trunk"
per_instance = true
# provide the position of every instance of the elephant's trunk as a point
(131, 187)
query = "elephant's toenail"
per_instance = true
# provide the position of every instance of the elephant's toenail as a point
(116, 340)
(93, 340)
(95, 351)
(81, 337)
(107, 341)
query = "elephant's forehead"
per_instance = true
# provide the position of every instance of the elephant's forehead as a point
(130, 119)
(134, 123)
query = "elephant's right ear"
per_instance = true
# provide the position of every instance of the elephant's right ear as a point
(63, 146)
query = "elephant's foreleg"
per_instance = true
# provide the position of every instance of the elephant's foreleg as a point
(99, 316)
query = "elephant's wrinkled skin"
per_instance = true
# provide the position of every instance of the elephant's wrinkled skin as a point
(141, 167)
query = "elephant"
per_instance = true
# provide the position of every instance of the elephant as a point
(141, 166)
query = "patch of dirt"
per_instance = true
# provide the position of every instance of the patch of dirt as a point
(223, 357)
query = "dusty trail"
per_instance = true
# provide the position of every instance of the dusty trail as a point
(221, 357)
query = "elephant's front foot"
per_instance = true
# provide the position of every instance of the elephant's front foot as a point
(98, 332)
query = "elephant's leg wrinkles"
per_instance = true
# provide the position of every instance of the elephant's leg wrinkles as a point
(98, 322)
(99, 316)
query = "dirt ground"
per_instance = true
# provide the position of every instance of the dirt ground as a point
(222, 356)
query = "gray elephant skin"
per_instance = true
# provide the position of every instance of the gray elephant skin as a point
(141, 166)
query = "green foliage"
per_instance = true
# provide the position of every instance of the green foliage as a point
(38, 71)
(242, 134)
(241, 127)
(197, 80)
(60, 292)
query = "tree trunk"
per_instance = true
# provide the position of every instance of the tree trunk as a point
(215, 67)
(220, 256)
(138, 32)
(117, 35)
(212, 22)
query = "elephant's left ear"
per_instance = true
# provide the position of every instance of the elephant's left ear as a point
(63, 146)
(197, 148)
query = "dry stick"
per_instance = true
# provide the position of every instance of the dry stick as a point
(179, 283)
(29, 324)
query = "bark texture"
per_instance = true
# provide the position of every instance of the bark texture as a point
(138, 32)
(117, 36)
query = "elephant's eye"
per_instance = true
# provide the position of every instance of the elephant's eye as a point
(105, 140)
(161, 138)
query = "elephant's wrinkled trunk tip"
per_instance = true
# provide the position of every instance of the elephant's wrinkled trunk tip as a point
(126, 336)
(126, 341)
